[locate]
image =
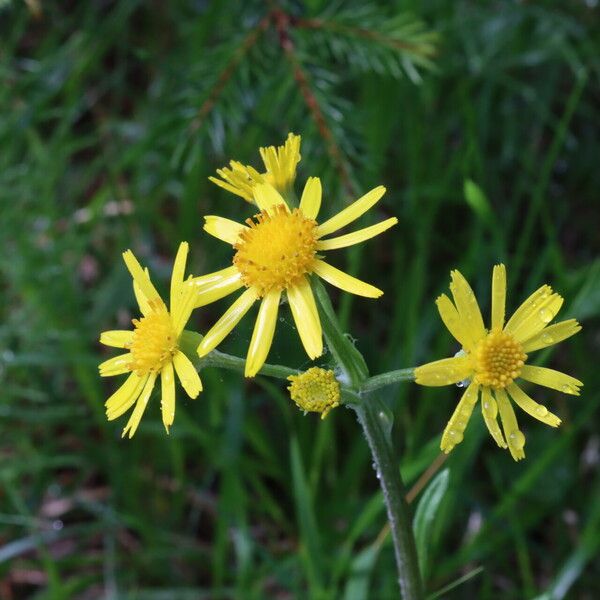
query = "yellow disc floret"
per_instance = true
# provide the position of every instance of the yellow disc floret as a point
(277, 250)
(499, 359)
(154, 340)
(315, 390)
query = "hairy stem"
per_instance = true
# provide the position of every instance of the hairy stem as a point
(389, 378)
(376, 424)
(394, 494)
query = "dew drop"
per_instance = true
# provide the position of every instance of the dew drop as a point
(541, 411)
(517, 439)
(545, 315)
(455, 436)
(567, 389)
(57, 525)
(547, 338)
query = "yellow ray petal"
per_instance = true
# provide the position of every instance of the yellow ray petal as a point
(140, 276)
(140, 407)
(227, 322)
(344, 281)
(551, 379)
(188, 295)
(445, 371)
(271, 161)
(453, 434)
(531, 407)
(167, 400)
(527, 307)
(115, 365)
(466, 305)
(552, 335)
(244, 192)
(117, 338)
(262, 336)
(213, 287)
(454, 323)
(188, 376)
(304, 288)
(352, 212)
(142, 301)
(177, 276)
(356, 237)
(498, 296)
(307, 321)
(514, 436)
(310, 202)
(122, 400)
(223, 229)
(489, 410)
(538, 318)
(266, 196)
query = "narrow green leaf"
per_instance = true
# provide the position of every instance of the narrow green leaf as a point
(309, 534)
(426, 513)
(478, 201)
(357, 587)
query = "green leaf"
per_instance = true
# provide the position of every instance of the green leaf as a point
(348, 358)
(309, 533)
(478, 201)
(426, 513)
(357, 587)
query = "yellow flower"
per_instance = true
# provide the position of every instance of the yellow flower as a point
(280, 164)
(315, 390)
(491, 361)
(274, 253)
(153, 346)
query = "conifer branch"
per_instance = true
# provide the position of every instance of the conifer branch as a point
(282, 23)
(229, 70)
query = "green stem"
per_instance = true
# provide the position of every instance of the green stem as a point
(190, 340)
(378, 381)
(376, 424)
(373, 423)
(235, 363)
(353, 367)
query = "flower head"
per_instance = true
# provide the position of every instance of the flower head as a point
(280, 164)
(315, 390)
(153, 346)
(492, 361)
(275, 252)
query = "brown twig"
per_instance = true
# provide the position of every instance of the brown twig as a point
(433, 468)
(229, 70)
(282, 24)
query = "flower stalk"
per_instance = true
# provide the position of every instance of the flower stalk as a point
(394, 493)
(376, 424)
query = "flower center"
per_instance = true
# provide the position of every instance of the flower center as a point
(498, 360)
(154, 340)
(315, 390)
(276, 250)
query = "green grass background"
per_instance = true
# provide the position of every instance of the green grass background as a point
(248, 498)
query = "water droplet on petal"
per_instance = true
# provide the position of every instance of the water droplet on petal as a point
(567, 389)
(545, 315)
(455, 436)
(541, 411)
(517, 439)
(547, 338)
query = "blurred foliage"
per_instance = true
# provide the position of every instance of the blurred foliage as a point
(112, 116)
